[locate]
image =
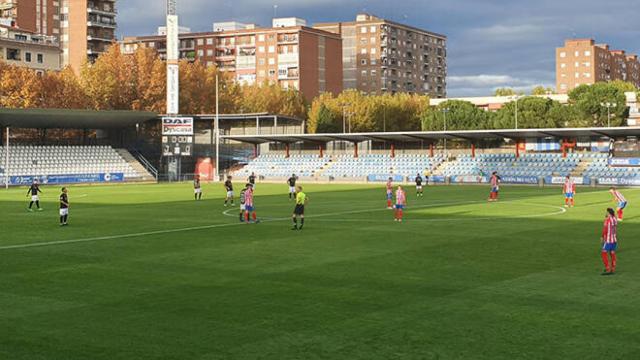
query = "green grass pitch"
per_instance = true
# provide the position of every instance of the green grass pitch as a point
(146, 272)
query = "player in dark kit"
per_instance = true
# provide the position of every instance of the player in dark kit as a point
(298, 211)
(252, 180)
(228, 186)
(197, 189)
(419, 185)
(292, 186)
(64, 207)
(33, 191)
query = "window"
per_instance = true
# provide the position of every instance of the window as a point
(587, 64)
(13, 54)
(40, 58)
(261, 37)
(200, 41)
(272, 49)
(587, 53)
(363, 73)
(563, 65)
(272, 61)
(27, 57)
(372, 40)
(209, 52)
(577, 64)
(200, 53)
(210, 41)
(272, 72)
(373, 29)
(261, 49)
(563, 54)
(587, 75)
(363, 30)
(373, 51)
(373, 73)
(363, 51)
(373, 61)
(363, 41)
(577, 53)
(261, 62)
(261, 73)
(577, 75)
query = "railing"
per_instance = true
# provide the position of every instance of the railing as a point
(145, 163)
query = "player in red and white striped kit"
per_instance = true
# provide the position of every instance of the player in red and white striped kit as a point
(609, 241)
(389, 193)
(495, 186)
(401, 202)
(569, 190)
(620, 200)
(249, 209)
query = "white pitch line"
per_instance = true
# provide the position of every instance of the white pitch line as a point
(205, 227)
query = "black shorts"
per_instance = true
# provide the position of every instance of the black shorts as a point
(299, 210)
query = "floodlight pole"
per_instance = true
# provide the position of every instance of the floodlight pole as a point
(216, 129)
(6, 168)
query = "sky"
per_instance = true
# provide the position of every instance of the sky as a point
(491, 43)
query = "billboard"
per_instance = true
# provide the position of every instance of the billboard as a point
(177, 126)
(173, 89)
(624, 162)
(384, 178)
(67, 179)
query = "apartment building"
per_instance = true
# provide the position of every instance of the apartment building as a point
(582, 61)
(87, 29)
(383, 56)
(29, 49)
(288, 53)
(37, 16)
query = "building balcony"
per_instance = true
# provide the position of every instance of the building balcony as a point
(101, 38)
(98, 11)
(101, 24)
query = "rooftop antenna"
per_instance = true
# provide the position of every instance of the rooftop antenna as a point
(275, 11)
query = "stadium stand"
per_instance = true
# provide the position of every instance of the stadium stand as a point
(275, 165)
(67, 160)
(407, 165)
(531, 164)
(599, 168)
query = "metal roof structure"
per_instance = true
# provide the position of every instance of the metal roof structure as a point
(417, 136)
(72, 119)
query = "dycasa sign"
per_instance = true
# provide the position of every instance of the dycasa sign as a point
(177, 126)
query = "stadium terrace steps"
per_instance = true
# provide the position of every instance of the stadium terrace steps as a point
(583, 165)
(144, 174)
(67, 160)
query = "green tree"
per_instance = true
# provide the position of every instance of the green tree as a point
(504, 92)
(460, 115)
(591, 103)
(541, 90)
(326, 121)
(533, 112)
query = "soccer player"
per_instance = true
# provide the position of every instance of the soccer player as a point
(35, 199)
(292, 186)
(243, 199)
(252, 180)
(390, 193)
(419, 185)
(495, 186)
(609, 241)
(401, 202)
(249, 209)
(64, 207)
(298, 211)
(569, 190)
(620, 200)
(228, 186)
(197, 190)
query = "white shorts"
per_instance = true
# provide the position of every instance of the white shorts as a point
(229, 194)
(242, 207)
(197, 191)
(64, 212)
(292, 189)
(419, 187)
(35, 198)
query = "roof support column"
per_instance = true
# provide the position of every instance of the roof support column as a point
(393, 150)
(517, 149)
(355, 150)
(321, 148)
(431, 150)
(255, 151)
(286, 150)
(473, 150)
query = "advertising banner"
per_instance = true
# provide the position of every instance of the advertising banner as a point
(619, 181)
(67, 179)
(624, 162)
(469, 179)
(384, 178)
(177, 126)
(519, 179)
(559, 180)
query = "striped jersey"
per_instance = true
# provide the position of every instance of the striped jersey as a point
(495, 180)
(610, 230)
(618, 196)
(248, 197)
(389, 187)
(400, 197)
(569, 186)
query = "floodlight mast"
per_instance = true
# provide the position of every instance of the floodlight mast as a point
(173, 84)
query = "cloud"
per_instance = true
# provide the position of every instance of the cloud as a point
(491, 43)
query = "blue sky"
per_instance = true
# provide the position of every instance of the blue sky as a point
(491, 44)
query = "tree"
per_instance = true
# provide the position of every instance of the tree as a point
(533, 112)
(460, 115)
(326, 122)
(591, 103)
(504, 92)
(541, 90)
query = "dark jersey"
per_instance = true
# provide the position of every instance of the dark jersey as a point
(242, 196)
(252, 179)
(419, 181)
(64, 201)
(292, 181)
(228, 185)
(34, 189)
